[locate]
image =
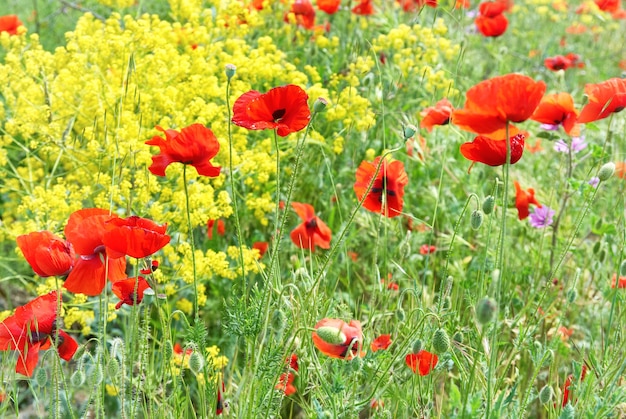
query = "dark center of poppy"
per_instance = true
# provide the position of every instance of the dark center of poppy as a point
(278, 114)
(311, 223)
(619, 109)
(36, 337)
(446, 122)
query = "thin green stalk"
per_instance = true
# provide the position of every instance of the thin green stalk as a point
(193, 245)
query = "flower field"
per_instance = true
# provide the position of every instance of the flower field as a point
(313, 209)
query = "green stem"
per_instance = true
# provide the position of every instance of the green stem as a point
(193, 246)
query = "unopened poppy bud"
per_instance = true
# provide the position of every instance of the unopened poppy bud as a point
(114, 367)
(41, 377)
(196, 362)
(568, 412)
(606, 171)
(400, 314)
(441, 341)
(602, 255)
(418, 345)
(458, 337)
(168, 351)
(331, 335)
(409, 131)
(278, 320)
(622, 268)
(571, 295)
(319, 105)
(488, 204)
(485, 310)
(545, 395)
(98, 374)
(230, 70)
(117, 346)
(78, 378)
(357, 363)
(476, 220)
(447, 302)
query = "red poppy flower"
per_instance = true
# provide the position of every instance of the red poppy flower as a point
(285, 382)
(154, 265)
(261, 247)
(33, 327)
(568, 383)
(304, 14)
(621, 283)
(221, 228)
(412, 5)
(219, 408)
(557, 63)
(436, 115)
(381, 343)
(312, 231)
(491, 26)
(283, 108)
(620, 169)
(85, 230)
(364, 8)
(427, 250)
(125, 290)
(195, 145)
(329, 6)
(494, 103)
(46, 253)
(134, 236)
(462, 4)
(422, 362)
(604, 99)
(575, 60)
(338, 339)
(493, 152)
(9, 24)
(608, 5)
(387, 192)
(523, 199)
(558, 109)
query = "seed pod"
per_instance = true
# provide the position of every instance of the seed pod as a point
(545, 395)
(485, 310)
(320, 104)
(230, 71)
(476, 219)
(441, 341)
(488, 204)
(606, 171)
(408, 131)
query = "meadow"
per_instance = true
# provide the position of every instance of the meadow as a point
(326, 209)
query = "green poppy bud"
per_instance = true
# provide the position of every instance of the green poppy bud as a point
(485, 310)
(571, 295)
(441, 341)
(622, 268)
(400, 315)
(458, 337)
(78, 378)
(278, 320)
(545, 395)
(331, 335)
(606, 171)
(196, 362)
(408, 131)
(418, 345)
(488, 204)
(98, 374)
(114, 367)
(41, 377)
(476, 219)
(168, 351)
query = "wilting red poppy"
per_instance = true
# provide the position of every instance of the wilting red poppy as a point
(329, 6)
(494, 103)
(9, 24)
(568, 383)
(422, 362)
(608, 5)
(338, 339)
(558, 109)
(523, 199)
(33, 327)
(261, 247)
(436, 115)
(312, 231)
(426, 249)
(195, 145)
(381, 343)
(621, 282)
(387, 192)
(604, 99)
(46, 253)
(493, 152)
(283, 108)
(221, 228)
(125, 290)
(364, 8)
(85, 230)
(134, 236)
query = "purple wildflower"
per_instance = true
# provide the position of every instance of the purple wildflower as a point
(541, 217)
(578, 144)
(550, 127)
(594, 181)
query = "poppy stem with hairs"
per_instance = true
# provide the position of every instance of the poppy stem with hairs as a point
(244, 284)
(193, 246)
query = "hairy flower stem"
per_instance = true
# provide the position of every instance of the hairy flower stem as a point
(193, 245)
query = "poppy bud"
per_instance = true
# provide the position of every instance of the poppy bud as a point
(488, 204)
(545, 395)
(400, 315)
(331, 335)
(476, 220)
(168, 351)
(78, 378)
(441, 341)
(319, 105)
(408, 131)
(485, 310)
(622, 268)
(606, 171)
(458, 337)
(41, 377)
(196, 362)
(117, 346)
(114, 367)
(278, 320)
(447, 302)
(571, 295)
(356, 364)
(418, 345)
(568, 412)
(230, 71)
(98, 374)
